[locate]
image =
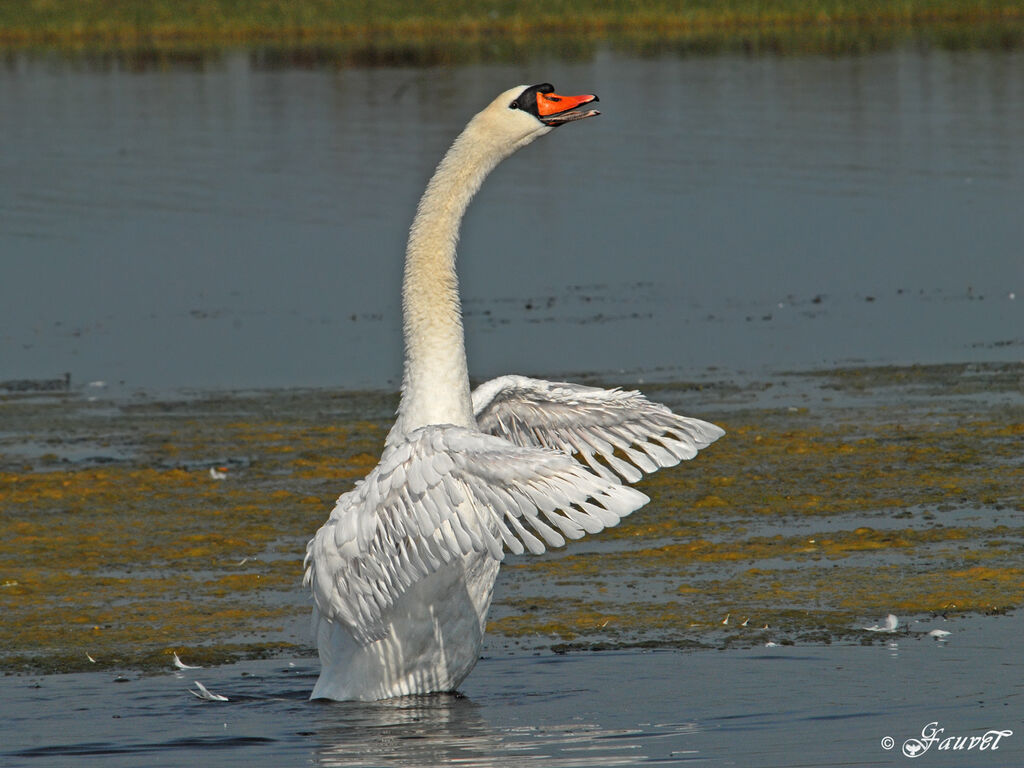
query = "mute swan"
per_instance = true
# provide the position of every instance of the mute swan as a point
(403, 570)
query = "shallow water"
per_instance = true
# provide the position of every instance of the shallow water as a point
(748, 213)
(780, 706)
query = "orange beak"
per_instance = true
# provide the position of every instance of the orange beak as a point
(555, 110)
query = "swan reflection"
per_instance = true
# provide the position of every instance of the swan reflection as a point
(449, 729)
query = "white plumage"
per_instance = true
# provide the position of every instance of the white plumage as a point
(444, 493)
(403, 570)
(591, 422)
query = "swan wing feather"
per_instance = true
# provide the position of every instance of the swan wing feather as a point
(616, 433)
(441, 493)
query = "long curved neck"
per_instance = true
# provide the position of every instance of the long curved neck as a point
(435, 384)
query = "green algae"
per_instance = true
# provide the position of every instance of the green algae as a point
(883, 490)
(811, 521)
(132, 560)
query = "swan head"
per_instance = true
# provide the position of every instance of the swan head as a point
(521, 114)
(549, 108)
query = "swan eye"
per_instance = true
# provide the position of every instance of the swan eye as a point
(514, 105)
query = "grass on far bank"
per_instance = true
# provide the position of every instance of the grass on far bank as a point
(120, 24)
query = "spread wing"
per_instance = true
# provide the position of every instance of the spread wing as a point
(443, 493)
(615, 432)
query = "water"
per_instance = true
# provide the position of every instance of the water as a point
(227, 225)
(781, 706)
(232, 226)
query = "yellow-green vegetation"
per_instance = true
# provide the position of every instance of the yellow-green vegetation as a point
(840, 498)
(455, 28)
(130, 561)
(810, 521)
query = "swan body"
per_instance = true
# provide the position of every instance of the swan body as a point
(403, 571)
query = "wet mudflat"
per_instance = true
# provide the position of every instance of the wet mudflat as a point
(836, 498)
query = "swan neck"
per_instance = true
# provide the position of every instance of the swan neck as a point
(435, 384)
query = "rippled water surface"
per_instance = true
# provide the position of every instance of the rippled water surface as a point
(230, 225)
(781, 706)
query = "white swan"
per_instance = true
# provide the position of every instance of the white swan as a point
(403, 570)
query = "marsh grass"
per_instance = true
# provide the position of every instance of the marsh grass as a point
(401, 31)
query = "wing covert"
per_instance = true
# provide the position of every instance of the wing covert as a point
(617, 433)
(442, 493)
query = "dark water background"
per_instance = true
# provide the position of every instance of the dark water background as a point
(228, 225)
